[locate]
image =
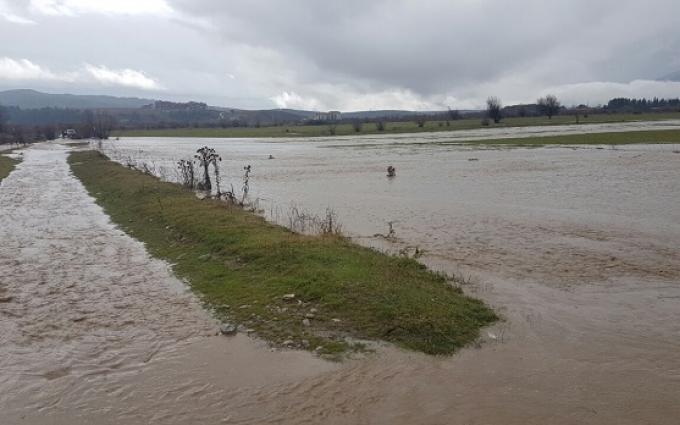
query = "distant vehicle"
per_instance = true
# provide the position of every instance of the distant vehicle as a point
(70, 133)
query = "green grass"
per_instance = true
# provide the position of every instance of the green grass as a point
(620, 138)
(241, 266)
(391, 127)
(6, 165)
(613, 138)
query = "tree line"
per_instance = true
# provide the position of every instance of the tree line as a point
(623, 104)
(87, 124)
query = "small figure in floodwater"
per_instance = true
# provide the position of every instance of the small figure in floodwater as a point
(391, 171)
(271, 156)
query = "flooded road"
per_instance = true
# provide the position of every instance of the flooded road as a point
(93, 330)
(577, 247)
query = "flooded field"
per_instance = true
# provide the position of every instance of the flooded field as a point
(577, 247)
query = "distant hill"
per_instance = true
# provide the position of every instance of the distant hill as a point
(32, 99)
(384, 113)
(28, 107)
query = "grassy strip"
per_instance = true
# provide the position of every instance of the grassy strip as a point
(614, 138)
(391, 127)
(242, 266)
(6, 165)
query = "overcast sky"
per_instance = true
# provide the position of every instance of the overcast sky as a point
(346, 55)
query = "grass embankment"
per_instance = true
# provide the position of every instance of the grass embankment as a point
(391, 127)
(6, 165)
(242, 266)
(620, 138)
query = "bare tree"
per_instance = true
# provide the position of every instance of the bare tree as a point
(3, 119)
(207, 156)
(549, 105)
(380, 125)
(494, 109)
(186, 172)
(98, 124)
(356, 125)
(420, 121)
(453, 114)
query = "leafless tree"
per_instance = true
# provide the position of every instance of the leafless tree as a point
(356, 125)
(3, 119)
(494, 109)
(186, 173)
(246, 183)
(453, 114)
(549, 105)
(420, 121)
(207, 156)
(98, 124)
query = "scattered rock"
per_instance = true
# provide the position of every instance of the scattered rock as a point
(244, 306)
(6, 299)
(306, 322)
(309, 315)
(305, 343)
(288, 297)
(204, 257)
(313, 311)
(288, 343)
(336, 320)
(228, 329)
(201, 196)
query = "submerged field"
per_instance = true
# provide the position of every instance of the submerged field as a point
(575, 245)
(391, 127)
(243, 267)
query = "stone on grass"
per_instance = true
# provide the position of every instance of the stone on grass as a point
(228, 329)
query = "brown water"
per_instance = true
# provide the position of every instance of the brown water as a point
(577, 248)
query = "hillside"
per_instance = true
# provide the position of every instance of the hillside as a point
(32, 99)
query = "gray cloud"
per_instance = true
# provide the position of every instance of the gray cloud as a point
(357, 54)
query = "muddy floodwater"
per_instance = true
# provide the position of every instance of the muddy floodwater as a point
(578, 248)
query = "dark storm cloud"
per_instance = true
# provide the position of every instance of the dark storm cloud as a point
(359, 54)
